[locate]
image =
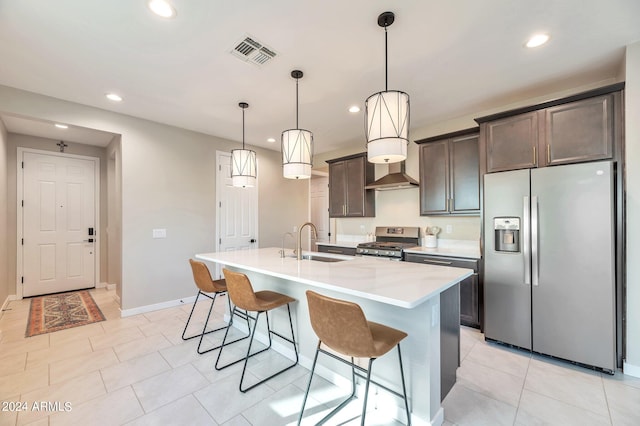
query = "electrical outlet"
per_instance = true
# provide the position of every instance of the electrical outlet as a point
(448, 229)
(159, 233)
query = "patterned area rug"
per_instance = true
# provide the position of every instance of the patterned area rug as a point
(61, 311)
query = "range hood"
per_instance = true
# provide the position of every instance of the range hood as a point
(395, 179)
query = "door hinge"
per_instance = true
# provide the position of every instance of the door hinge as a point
(219, 240)
(21, 280)
(22, 203)
(220, 167)
(22, 241)
(22, 164)
(220, 204)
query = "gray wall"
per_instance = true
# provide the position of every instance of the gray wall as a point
(6, 285)
(167, 181)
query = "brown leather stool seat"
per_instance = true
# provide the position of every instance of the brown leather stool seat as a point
(243, 297)
(206, 285)
(342, 326)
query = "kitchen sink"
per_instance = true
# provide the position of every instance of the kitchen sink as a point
(321, 258)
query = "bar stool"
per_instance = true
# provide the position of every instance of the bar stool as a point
(343, 327)
(243, 297)
(206, 284)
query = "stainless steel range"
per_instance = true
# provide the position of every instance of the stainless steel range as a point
(390, 242)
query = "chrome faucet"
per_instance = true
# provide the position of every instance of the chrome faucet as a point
(283, 236)
(299, 246)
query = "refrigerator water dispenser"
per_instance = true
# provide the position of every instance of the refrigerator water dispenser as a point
(507, 234)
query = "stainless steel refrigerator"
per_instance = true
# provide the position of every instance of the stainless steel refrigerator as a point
(549, 248)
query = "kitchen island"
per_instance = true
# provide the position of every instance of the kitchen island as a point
(399, 294)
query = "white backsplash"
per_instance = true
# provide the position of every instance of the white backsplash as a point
(402, 208)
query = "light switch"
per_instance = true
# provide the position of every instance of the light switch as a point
(160, 233)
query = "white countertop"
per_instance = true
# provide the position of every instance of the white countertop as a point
(402, 284)
(452, 248)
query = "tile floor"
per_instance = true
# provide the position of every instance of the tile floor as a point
(138, 371)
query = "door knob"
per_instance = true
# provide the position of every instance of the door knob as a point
(253, 240)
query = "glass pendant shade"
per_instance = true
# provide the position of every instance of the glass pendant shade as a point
(387, 126)
(297, 146)
(297, 153)
(387, 115)
(243, 168)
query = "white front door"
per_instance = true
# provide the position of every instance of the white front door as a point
(58, 216)
(237, 211)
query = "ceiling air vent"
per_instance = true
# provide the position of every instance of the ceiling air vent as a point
(249, 50)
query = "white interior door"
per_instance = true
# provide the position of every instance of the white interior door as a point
(59, 208)
(237, 211)
(319, 199)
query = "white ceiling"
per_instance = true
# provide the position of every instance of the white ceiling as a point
(453, 58)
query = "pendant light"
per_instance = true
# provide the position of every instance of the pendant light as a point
(297, 146)
(387, 115)
(243, 161)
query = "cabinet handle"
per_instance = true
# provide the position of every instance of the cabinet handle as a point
(534, 155)
(334, 251)
(548, 153)
(440, 262)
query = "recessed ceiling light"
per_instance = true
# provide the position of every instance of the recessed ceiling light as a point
(271, 140)
(114, 97)
(61, 126)
(162, 8)
(537, 40)
(354, 108)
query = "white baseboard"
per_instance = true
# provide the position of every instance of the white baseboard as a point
(106, 285)
(156, 306)
(631, 370)
(5, 304)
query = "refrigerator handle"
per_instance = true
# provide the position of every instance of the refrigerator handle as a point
(526, 243)
(535, 261)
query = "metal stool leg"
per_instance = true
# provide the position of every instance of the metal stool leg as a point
(204, 328)
(224, 341)
(404, 388)
(306, 393)
(270, 332)
(366, 391)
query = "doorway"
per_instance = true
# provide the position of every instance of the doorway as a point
(58, 205)
(237, 222)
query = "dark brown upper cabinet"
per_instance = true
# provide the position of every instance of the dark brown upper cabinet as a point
(579, 128)
(579, 131)
(348, 177)
(450, 174)
(512, 143)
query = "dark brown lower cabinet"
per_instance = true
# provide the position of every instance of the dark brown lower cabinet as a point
(449, 339)
(350, 251)
(470, 287)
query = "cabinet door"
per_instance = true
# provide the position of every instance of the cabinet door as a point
(337, 189)
(354, 177)
(512, 142)
(465, 175)
(469, 314)
(579, 131)
(434, 178)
